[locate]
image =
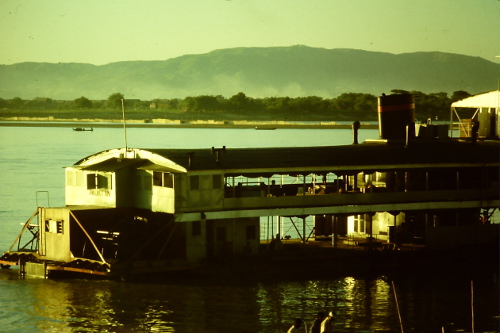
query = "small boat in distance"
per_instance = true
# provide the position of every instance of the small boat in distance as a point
(264, 128)
(83, 129)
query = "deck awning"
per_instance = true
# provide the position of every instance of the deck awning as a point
(113, 164)
(487, 100)
(155, 167)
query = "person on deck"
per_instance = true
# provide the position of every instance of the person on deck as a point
(316, 326)
(326, 325)
(298, 327)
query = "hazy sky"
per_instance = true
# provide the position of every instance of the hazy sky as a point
(104, 31)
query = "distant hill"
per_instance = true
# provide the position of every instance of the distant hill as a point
(258, 72)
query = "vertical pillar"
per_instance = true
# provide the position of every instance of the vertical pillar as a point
(334, 231)
(234, 188)
(267, 230)
(304, 230)
(369, 221)
(407, 181)
(304, 186)
(278, 226)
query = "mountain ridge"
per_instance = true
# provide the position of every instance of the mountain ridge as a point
(292, 71)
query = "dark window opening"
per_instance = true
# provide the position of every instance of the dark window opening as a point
(194, 182)
(217, 181)
(220, 234)
(97, 181)
(168, 180)
(157, 178)
(102, 182)
(55, 227)
(251, 232)
(91, 181)
(59, 227)
(196, 228)
(163, 179)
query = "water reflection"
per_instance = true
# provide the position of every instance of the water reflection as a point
(360, 305)
(357, 304)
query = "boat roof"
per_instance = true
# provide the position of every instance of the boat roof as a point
(487, 100)
(375, 156)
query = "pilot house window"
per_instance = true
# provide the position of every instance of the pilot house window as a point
(97, 181)
(163, 179)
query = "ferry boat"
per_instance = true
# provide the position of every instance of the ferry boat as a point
(83, 129)
(132, 211)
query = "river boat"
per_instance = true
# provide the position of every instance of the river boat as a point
(264, 128)
(388, 203)
(83, 129)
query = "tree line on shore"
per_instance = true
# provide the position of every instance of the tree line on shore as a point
(347, 106)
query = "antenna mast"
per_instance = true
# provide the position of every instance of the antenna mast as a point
(124, 126)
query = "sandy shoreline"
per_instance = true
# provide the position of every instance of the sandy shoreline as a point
(71, 123)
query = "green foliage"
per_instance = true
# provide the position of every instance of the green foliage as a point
(345, 107)
(458, 95)
(15, 103)
(115, 101)
(83, 103)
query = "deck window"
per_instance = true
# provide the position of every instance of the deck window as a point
(157, 178)
(55, 227)
(251, 232)
(91, 181)
(97, 181)
(163, 179)
(196, 228)
(217, 181)
(168, 180)
(220, 234)
(194, 182)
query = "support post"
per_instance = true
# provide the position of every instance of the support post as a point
(304, 230)
(335, 235)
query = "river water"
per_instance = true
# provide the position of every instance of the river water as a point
(32, 159)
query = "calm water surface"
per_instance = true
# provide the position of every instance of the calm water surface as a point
(32, 159)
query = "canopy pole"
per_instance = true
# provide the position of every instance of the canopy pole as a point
(124, 126)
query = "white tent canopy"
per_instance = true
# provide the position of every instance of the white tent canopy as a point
(487, 100)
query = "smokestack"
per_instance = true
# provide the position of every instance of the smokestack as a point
(355, 127)
(395, 113)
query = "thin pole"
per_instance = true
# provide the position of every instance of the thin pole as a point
(18, 238)
(397, 307)
(88, 236)
(124, 126)
(472, 303)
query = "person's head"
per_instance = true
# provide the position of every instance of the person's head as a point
(298, 323)
(321, 315)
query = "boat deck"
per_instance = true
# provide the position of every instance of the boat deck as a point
(348, 242)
